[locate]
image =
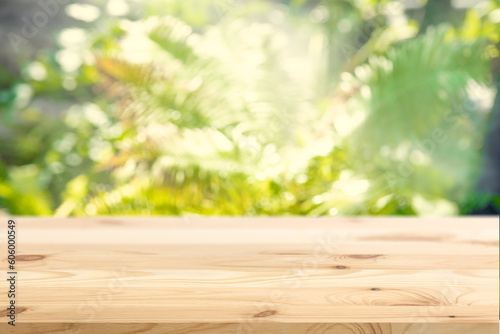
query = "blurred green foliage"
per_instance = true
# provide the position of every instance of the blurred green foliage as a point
(222, 107)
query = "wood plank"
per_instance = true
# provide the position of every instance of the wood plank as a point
(227, 278)
(100, 311)
(256, 275)
(248, 258)
(231, 328)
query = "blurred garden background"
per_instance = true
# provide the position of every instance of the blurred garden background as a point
(247, 107)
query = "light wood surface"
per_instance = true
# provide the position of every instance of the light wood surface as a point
(255, 275)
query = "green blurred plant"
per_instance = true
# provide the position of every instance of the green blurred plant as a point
(250, 109)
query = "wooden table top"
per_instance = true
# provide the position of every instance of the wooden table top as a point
(255, 275)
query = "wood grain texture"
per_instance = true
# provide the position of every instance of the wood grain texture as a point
(256, 275)
(264, 328)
